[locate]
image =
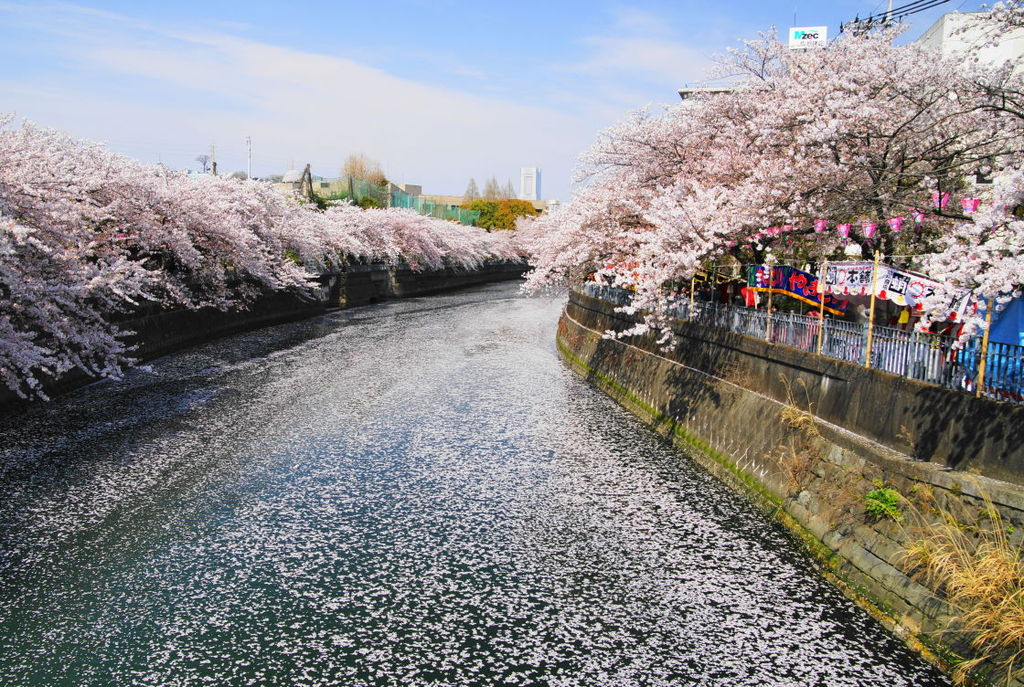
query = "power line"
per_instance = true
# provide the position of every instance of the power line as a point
(921, 8)
(908, 9)
(859, 26)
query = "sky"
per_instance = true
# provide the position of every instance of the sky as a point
(437, 91)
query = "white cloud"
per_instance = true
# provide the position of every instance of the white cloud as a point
(295, 105)
(647, 59)
(635, 20)
(637, 61)
(153, 90)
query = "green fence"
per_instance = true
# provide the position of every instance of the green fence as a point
(401, 199)
(358, 190)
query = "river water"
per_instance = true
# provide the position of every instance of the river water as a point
(411, 493)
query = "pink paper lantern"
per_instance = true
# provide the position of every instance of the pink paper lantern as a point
(787, 228)
(868, 229)
(918, 217)
(940, 201)
(895, 223)
(969, 204)
(844, 230)
(820, 225)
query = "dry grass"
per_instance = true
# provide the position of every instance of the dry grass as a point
(907, 435)
(795, 466)
(798, 459)
(801, 420)
(795, 416)
(924, 496)
(737, 374)
(981, 574)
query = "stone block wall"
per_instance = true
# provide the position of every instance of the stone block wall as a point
(808, 438)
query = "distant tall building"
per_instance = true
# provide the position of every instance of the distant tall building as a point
(529, 183)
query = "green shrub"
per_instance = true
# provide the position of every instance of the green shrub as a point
(884, 502)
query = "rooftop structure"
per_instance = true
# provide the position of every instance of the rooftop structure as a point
(690, 93)
(958, 32)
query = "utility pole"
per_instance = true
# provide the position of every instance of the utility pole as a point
(213, 158)
(888, 14)
(248, 145)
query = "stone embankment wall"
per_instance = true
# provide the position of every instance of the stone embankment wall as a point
(159, 331)
(808, 438)
(363, 284)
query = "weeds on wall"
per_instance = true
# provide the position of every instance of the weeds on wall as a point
(965, 556)
(968, 556)
(797, 459)
(884, 502)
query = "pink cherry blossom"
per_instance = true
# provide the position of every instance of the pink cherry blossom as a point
(86, 234)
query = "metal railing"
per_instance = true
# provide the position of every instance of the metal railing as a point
(931, 358)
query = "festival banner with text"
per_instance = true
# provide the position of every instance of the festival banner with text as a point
(902, 287)
(795, 283)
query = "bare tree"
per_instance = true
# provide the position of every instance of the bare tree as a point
(510, 190)
(359, 166)
(492, 191)
(204, 160)
(472, 192)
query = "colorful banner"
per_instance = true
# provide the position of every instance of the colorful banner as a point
(899, 286)
(848, 278)
(794, 283)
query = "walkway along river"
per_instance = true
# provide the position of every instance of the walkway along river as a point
(413, 493)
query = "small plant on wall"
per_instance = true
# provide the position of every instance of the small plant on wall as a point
(883, 503)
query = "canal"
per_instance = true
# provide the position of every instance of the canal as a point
(412, 493)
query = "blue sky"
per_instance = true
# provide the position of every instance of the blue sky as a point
(438, 92)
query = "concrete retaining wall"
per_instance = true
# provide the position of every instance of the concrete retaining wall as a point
(741, 403)
(159, 331)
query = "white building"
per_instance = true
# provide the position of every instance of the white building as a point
(529, 183)
(958, 32)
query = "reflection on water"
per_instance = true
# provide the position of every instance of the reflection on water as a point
(415, 493)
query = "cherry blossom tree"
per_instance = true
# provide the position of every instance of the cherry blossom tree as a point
(861, 131)
(985, 255)
(86, 234)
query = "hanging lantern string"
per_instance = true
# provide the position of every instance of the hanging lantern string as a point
(969, 205)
